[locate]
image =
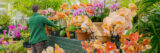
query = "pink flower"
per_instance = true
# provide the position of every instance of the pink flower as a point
(4, 32)
(44, 12)
(1, 39)
(54, 13)
(11, 27)
(17, 34)
(50, 10)
(19, 26)
(25, 27)
(12, 33)
(4, 43)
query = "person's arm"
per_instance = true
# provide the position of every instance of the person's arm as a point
(46, 21)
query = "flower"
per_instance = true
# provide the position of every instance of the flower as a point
(64, 6)
(114, 6)
(110, 46)
(89, 4)
(60, 15)
(12, 33)
(11, 27)
(53, 18)
(4, 43)
(50, 10)
(75, 6)
(25, 27)
(4, 32)
(1, 39)
(132, 6)
(77, 12)
(44, 12)
(134, 37)
(19, 26)
(123, 11)
(83, 5)
(17, 34)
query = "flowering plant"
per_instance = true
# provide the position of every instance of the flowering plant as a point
(14, 30)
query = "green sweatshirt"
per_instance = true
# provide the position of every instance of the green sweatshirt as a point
(37, 28)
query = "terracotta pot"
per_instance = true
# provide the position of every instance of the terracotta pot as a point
(83, 36)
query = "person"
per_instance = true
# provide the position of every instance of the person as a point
(37, 30)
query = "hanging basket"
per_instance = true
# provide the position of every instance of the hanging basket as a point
(83, 36)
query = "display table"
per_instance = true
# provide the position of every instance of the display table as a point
(69, 45)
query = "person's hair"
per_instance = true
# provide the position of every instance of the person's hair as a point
(35, 8)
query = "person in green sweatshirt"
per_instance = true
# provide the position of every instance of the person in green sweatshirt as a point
(37, 30)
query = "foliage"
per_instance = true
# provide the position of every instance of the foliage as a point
(17, 48)
(4, 21)
(148, 22)
(25, 6)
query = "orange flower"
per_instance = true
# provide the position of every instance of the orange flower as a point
(89, 11)
(81, 4)
(60, 15)
(134, 37)
(53, 18)
(64, 6)
(89, 4)
(75, 6)
(146, 41)
(67, 12)
(110, 46)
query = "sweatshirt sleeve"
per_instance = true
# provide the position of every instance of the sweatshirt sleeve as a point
(46, 21)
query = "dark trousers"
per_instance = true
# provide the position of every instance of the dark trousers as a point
(38, 47)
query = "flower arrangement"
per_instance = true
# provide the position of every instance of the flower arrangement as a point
(15, 30)
(117, 22)
(115, 25)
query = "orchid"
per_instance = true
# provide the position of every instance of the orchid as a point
(11, 27)
(12, 33)
(17, 34)
(114, 6)
(4, 32)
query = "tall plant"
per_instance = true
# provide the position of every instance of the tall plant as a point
(148, 22)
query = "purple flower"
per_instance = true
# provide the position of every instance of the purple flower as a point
(19, 26)
(93, 8)
(12, 33)
(25, 27)
(78, 11)
(114, 6)
(11, 27)
(4, 43)
(17, 34)
(4, 32)
(99, 5)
